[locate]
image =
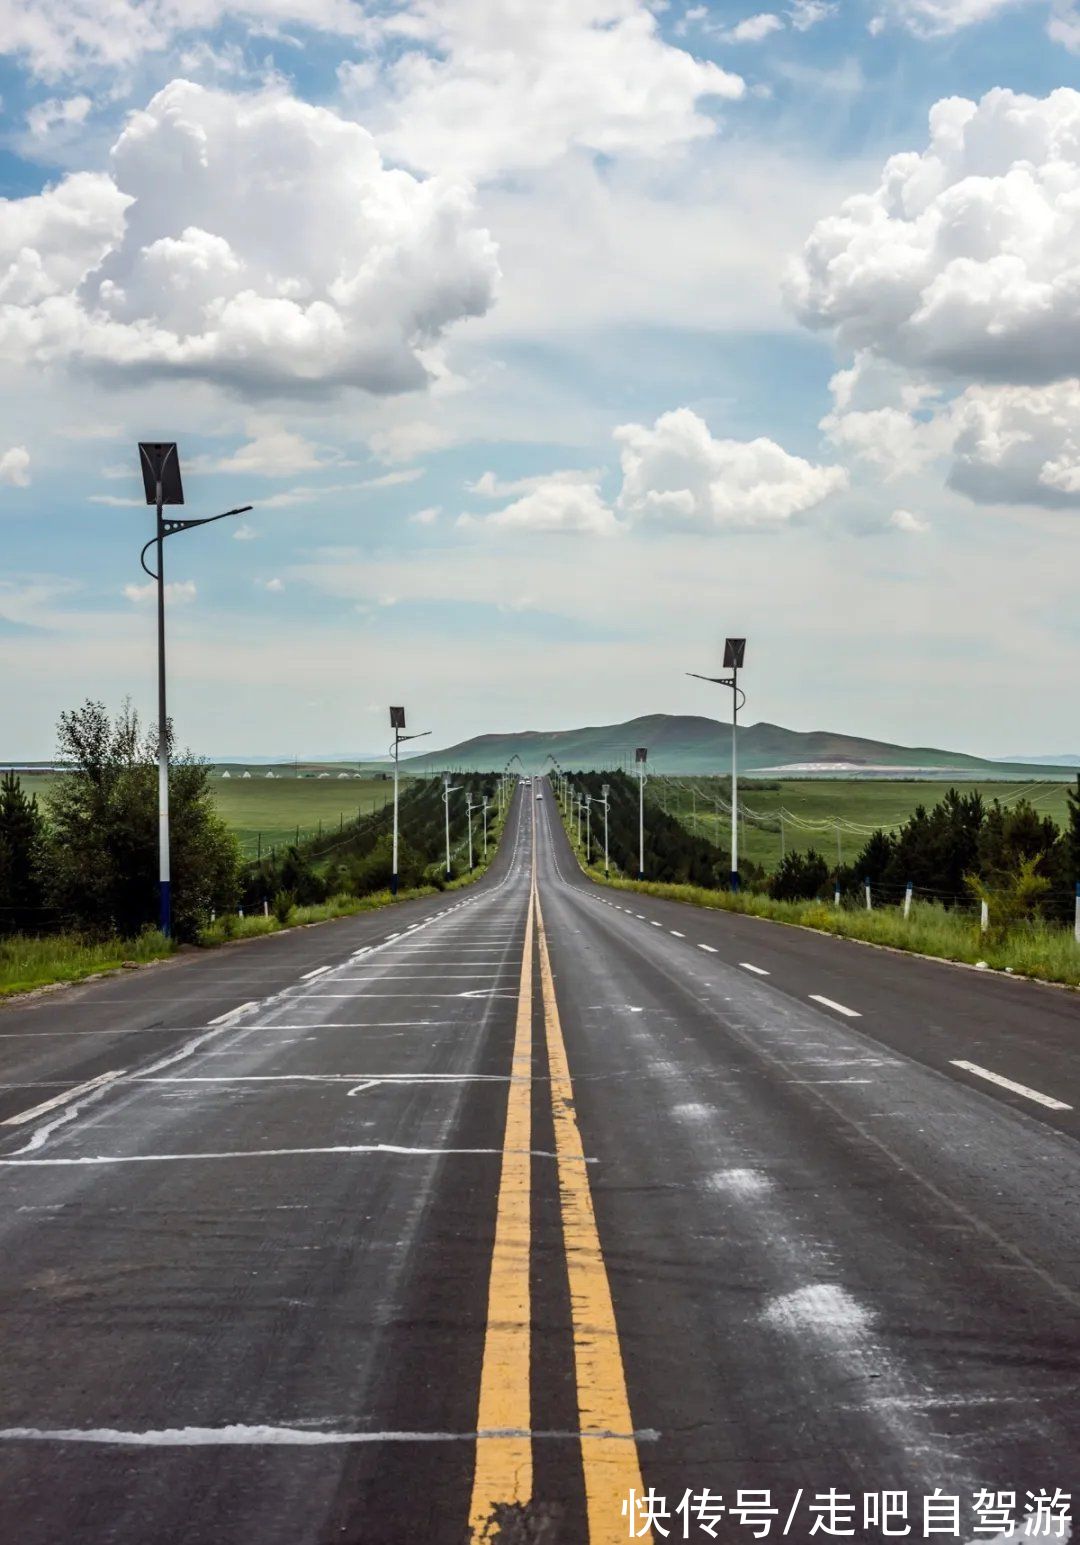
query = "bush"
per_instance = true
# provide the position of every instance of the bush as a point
(800, 877)
(282, 906)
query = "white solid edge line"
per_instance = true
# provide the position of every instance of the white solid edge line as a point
(830, 1003)
(757, 970)
(1008, 1083)
(62, 1099)
(709, 948)
(318, 971)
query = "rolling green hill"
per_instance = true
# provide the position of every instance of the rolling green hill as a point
(688, 743)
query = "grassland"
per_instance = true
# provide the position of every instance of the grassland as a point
(274, 810)
(817, 807)
(27, 963)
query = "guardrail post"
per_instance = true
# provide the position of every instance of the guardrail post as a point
(869, 899)
(907, 899)
(984, 919)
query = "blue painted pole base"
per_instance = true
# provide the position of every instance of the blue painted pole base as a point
(165, 916)
(393, 884)
(734, 879)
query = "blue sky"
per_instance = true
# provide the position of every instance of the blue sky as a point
(551, 342)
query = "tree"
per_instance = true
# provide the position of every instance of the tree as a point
(103, 868)
(799, 877)
(22, 846)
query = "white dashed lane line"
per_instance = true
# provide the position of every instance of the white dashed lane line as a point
(757, 970)
(675, 934)
(1008, 1083)
(656, 924)
(830, 1003)
(709, 948)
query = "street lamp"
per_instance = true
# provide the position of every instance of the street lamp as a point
(641, 756)
(469, 808)
(448, 789)
(605, 791)
(734, 655)
(397, 724)
(485, 828)
(588, 829)
(160, 465)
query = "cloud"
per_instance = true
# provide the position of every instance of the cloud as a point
(804, 14)
(937, 18)
(1018, 445)
(274, 451)
(55, 38)
(15, 467)
(678, 474)
(275, 586)
(253, 241)
(553, 505)
(57, 113)
(489, 486)
(426, 517)
(244, 533)
(393, 479)
(178, 591)
(406, 441)
(904, 520)
(754, 29)
(480, 87)
(962, 263)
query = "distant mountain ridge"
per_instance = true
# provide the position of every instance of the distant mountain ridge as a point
(690, 743)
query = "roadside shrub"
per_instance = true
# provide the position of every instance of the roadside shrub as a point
(282, 906)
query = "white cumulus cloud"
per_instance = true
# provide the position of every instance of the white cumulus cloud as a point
(482, 87)
(15, 466)
(1018, 445)
(937, 18)
(254, 241)
(963, 262)
(904, 520)
(678, 473)
(754, 29)
(553, 504)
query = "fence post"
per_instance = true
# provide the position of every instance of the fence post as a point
(836, 894)
(266, 907)
(869, 900)
(239, 911)
(984, 918)
(907, 899)
(1076, 925)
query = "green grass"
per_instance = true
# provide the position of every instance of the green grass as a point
(864, 802)
(274, 808)
(1039, 950)
(26, 963)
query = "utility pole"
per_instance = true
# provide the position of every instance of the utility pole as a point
(641, 756)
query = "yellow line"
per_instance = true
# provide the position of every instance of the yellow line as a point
(503, 1474)
(610, 1464)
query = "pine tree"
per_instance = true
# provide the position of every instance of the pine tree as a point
(22, 839)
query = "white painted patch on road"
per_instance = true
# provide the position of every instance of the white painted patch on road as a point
(223, 1019)
(840, 1008)
(1008, 1083)
(757, 970)
(240, 1435)
(823, 1308)
(739, 1182)
(63, 1099)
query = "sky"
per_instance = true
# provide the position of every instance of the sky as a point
(552, 341)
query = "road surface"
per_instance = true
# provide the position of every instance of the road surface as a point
(471, 1218)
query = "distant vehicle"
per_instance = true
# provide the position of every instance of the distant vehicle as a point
(539, 795)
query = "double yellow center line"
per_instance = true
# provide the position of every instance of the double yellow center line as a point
(503, 1478)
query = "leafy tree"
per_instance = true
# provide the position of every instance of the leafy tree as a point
(800, 877)
(22, 851)
(874, 861)
(1012, 897)
(103, 862)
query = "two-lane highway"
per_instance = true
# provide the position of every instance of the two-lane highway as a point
(468, 1219)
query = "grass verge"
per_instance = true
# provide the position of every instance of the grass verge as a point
(26, 963)
(1039, 950)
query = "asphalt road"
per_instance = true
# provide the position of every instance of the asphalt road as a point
(470, 1218)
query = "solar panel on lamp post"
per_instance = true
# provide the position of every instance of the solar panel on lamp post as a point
(734, 656)
(159, 462)
(397, 724)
